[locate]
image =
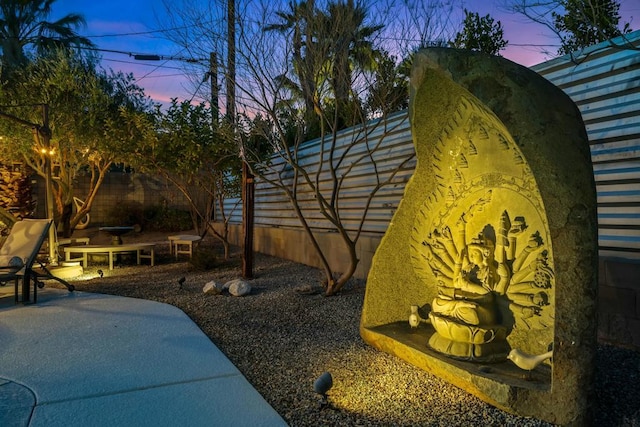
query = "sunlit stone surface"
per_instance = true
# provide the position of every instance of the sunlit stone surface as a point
(494, 245)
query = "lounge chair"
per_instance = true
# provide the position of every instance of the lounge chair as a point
(19, 253)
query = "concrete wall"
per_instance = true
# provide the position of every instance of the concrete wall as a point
(277, 242)
(130, 188)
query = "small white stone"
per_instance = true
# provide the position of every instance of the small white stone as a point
(238, 287)
(212, 288)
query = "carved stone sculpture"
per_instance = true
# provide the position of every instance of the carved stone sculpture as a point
(492, 252)
(492, 274)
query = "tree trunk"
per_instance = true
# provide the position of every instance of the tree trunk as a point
(227, 249)
(65, 220)
(334, 286)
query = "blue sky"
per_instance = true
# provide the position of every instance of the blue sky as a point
(128, 25)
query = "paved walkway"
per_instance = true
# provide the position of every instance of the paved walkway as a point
(81, 359)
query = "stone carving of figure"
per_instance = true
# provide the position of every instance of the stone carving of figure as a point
(471, 298)
(466, 311)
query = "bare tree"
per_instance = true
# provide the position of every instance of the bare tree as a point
(316, 190)
(268, 82)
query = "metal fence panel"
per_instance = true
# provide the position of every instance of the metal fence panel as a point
(604, 81)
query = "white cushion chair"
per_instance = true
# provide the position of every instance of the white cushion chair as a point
(19, 253)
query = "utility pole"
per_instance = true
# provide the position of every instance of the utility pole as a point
(213, 75)
(231, 61)
(215, 109)
(247, 177)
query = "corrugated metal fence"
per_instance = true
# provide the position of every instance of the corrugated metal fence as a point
(361, 156)
(604, 81)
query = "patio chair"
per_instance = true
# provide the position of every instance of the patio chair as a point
(19, 253)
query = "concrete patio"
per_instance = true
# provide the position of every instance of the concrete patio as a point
(78, 359)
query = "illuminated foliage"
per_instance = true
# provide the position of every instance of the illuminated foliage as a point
(94, 119)
(200, 160)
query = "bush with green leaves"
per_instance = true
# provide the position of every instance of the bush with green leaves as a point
(125, 213)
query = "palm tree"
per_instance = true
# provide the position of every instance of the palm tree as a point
(327, 47)
(300, 20)
(23, 24)
(350, 48)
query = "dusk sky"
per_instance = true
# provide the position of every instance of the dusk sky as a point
(117, 24)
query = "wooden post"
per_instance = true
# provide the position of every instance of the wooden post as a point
(247, 177)
(247, 221)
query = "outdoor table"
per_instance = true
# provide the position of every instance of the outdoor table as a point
(177, 242)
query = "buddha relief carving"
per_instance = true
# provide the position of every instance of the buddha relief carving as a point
(481, 239)
(485, 276)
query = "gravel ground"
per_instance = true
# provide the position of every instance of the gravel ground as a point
(285, 334)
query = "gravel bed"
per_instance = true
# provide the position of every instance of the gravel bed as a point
(286, 333)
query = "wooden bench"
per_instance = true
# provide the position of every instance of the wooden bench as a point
(182, 244)
(142, 250)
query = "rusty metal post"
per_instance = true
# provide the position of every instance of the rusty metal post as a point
(247, 221)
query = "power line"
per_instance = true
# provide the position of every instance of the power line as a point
(148, 57)
(168, 67)
(141, 33)
(165, 75)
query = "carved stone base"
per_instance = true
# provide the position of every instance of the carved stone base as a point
(475, 343)
(491, 352)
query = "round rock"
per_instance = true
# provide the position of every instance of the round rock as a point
(238, 287)
(212, 287)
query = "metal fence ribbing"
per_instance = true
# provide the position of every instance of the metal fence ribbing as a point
(387, 142)
(603, 81)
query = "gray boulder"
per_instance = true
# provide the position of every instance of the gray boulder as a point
(238, 287)
(213, 287)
